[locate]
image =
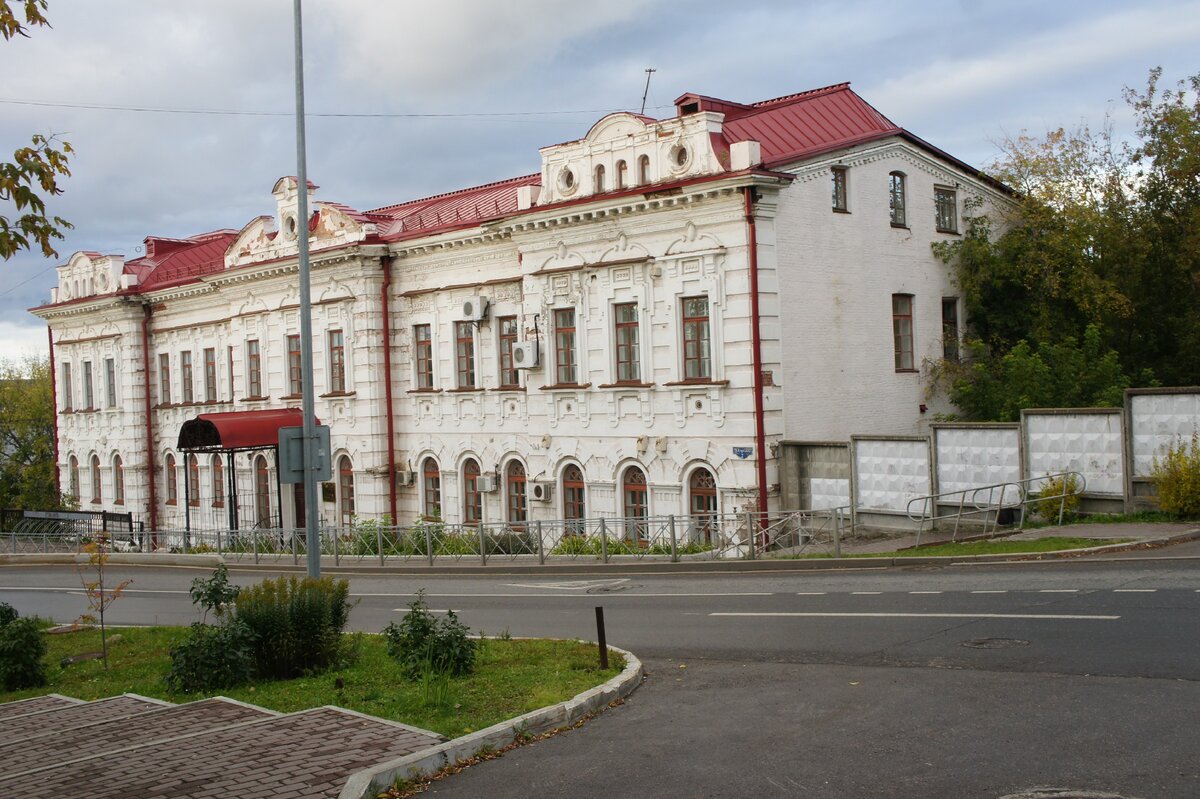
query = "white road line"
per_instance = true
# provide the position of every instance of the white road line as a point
(615, 595)
(1134, 590)
(866, 593)
(924, 592)
(69, 590)
(431, 610)
(810, 593)
(928, 616)
(1058, 591)
(572, 585)
(990, 592)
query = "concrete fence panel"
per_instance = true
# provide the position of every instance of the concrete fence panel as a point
(968, 456)
(1084, 440)
(889, 471)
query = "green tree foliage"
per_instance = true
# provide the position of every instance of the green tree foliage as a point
(27, 436)
(1090, 281)
(36, 168)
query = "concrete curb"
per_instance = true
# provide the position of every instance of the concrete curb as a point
(365, 784)
(114, 558)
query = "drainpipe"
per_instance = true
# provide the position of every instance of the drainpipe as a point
(54, 414)
(760, 435)
(386, 307)
(149, 419)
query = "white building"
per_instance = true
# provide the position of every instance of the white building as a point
(689, 291)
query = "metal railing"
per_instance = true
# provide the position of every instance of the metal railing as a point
(991, 500)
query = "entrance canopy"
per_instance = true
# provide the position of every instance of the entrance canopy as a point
(239, 430)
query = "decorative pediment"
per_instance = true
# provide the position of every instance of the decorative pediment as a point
(88, 274)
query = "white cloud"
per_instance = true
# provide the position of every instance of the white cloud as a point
(19, 341)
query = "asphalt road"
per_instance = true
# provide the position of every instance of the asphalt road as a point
(955, 681)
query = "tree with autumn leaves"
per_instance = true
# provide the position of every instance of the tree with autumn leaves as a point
(1089, 282)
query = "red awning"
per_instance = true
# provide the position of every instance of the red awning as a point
(238, 430)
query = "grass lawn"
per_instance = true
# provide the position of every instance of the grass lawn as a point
(997, 546)
(511, 677)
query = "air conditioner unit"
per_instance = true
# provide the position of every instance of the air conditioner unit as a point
(405, 478)
(475, 309)
(541, 491)
(486, 483)
(525, 354)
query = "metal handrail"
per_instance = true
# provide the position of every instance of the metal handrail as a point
(971, 497)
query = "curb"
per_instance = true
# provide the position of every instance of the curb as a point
(364, 784)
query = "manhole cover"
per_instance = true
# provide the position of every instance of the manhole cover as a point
(1064, 793)
(1000, 643)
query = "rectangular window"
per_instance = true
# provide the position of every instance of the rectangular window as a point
(625, 322)
(110, 382)
(423, 355)
(509, 376)
(896, 199)
(185, 376)
(566, 372)
(950, 328)
(337, 362)
(65, 388)
(945, 202)
(464, 353)
(89, 394)
(902, 331)
(164, 379)
(839, 189)
(295, 373)
(210, 374)
(253, 369)
(697, 359)
(229, 363)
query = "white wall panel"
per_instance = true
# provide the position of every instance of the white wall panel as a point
(1157, 421)
(889, 473)
(829, 492)
(970, 457)
(1088, 443)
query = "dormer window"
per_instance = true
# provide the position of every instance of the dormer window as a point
(643, 170)
(622, 175)
(689, 108)
(599, 179)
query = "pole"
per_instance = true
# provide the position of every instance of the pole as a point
(601, 641)
(649, 71)
(309, 431)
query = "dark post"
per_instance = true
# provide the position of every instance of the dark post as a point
(600, 637)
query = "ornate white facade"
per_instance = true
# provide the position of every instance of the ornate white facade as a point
(629, 263)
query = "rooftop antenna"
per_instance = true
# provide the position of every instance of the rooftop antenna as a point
(649, 71)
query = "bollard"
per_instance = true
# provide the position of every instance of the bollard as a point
(601, 639)
(674, 542)
(837, 532)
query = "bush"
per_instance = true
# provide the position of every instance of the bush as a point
(297, 624)
(213, 657)
(7, 614)
(22, 648)
(1177, 478)
(1050, 498)
(424, 644)
(215, 593)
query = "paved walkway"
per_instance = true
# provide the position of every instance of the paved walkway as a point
(1138, 531)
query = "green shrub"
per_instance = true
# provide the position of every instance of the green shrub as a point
(215, 593)
(22, 648)
(297, 624)
(424, 644)
(1050, 500)
(7, 614)
(1177, 478)
(213, 657)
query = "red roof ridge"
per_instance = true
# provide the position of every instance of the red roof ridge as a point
(457, 192)
(787, 98)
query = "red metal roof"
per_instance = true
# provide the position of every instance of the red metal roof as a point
(172, 261)
(455, 209)
(238, 429)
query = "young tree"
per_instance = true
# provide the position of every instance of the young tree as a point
(99, 594)
(27, 436)
(35, 170)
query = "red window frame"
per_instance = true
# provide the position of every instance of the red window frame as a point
(514, 492)
(218, 482)
(253, 369)
(118, 481)
(628, 342)
(423, 355)
(431, 479)
(262, 492)
(210, 374)
(97, 489)
(187, 385)
(172, 480)
(510, 376)
(697, 338)
(902, 332)
(574, 496)
(472, 497)
(702, 501)
(193, 478)
(464, 354)
(164, 379)
(337, 362)
(295, 367)
(566, 370)
(635, 502)
(346, 490)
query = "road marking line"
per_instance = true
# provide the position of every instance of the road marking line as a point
(866, 593)
(572, 585)
(928, 616)
(924, 592)
(1058, 591)
(72, 590)
(810, 593)
(431, 610)
(1134, 590)
(990, 592)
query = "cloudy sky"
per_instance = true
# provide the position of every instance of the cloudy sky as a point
(416, 97)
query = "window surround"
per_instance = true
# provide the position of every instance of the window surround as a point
(897, 199)
(164, 379)
(950, 329)
(171, 473)
(217, 471)
(840, 189)
(345, 490)
(566, 347)
(622, 175)
(643, 163)
(118, 475)
(295, 367)
(515, 499)
(574, 498)
(89, 387)
(696, 339)
(210, 374)
(337, 361)
(423, 357)
(599, 179)
(506, 335)
(193, 479)
(254, 387)
(945, 209)
(68, 404)
(627, 355)
(472, 497)
(110, 382)
(187, 394)
(97, 489)
(902, 333)
(464, 356)
(431, 489)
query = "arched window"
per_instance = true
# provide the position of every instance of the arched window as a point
(702, 502)
(262, 492)
(599, 179)
(514, 491)
(431, 479)
(345, 490)
(118, 471)
(643, 170)
(622, 175)
(218, 482)
(96, 490)
(193, 480)
(172, 480)
(574, 505)
(896, 198)
(472, 499)
(635, 503)
(73, 476)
